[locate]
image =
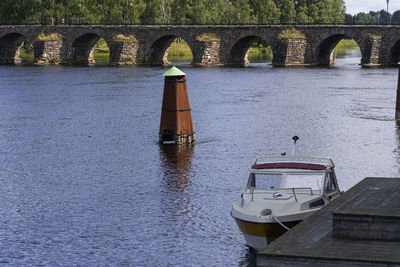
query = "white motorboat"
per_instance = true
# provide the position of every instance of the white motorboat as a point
(282, 191)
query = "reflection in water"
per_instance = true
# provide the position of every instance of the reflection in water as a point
(178, 212)
(250, 258)
(176, 162)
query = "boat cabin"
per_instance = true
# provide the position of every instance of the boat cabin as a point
(316, 178)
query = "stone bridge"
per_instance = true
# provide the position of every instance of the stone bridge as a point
(210, 45)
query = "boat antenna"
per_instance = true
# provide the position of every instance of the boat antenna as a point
(295, 138)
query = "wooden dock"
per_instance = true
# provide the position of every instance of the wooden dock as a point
(360, 228)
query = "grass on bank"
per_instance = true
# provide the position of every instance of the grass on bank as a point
(179, 50)
(101, 52)
(343, 46)
(347, 44)
(26, 53)
(291, 34)
(208, 37)
(260, 54)
(49, 37)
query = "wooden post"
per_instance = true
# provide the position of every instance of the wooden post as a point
(397, 117)
(176, 124)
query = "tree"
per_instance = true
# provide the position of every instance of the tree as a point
(189, 12)
(180, 11)
(157, 12)
(287, 10)
(331, 11)
(363, 18)
(384, 17)
(266, 11)
(218, 11)
(302, 12)
(348, 19)
(396, 17)
(151, 13)
(313, 12)
(242, 13)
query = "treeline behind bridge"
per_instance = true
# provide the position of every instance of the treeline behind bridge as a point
(155, 12)
(181, 12)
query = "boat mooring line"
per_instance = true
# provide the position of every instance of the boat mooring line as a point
(281, 224)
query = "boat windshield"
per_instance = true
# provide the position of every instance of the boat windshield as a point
(312, 180)
(265, 181)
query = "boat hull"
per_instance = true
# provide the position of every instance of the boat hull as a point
(259, 235)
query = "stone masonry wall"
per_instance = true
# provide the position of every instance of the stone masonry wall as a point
(384, 50)
(207, 54)
(372, 47)
(47, 52)
(296, 51)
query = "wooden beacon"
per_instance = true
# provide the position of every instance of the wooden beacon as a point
(176, 124)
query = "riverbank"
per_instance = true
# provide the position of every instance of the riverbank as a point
(180, 51)
(343, 47)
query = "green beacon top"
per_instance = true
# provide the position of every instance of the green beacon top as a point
(174, 71)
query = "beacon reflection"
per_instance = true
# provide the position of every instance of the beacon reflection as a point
(176, 164)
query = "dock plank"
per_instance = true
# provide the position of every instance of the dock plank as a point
(313, 239)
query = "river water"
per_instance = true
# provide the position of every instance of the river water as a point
(84, 181)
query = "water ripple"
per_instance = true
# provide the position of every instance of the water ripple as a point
(84, 181)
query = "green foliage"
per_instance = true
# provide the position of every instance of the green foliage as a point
(347, 45)
(260, 53)
(331, 11)
(123, 38)
(343, 47)
(157, 12)
(49, 37)
(291, 34)
(101, 52)
(179, 50)
(26, 53)
(380, 17)
(242, 12)
(266, 11)
(375, 36)
(288, 12)
(208, 37)
(55, 60)
(163, 12)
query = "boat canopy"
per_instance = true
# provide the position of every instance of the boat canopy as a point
(292, 162)
(290, 165)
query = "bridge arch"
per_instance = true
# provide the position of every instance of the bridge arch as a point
(395, 53)
(239, 51)
(82, 49)
(326, 48)
(158, 52)
(10, 45)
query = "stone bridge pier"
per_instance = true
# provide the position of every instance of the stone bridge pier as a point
(300, 45)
